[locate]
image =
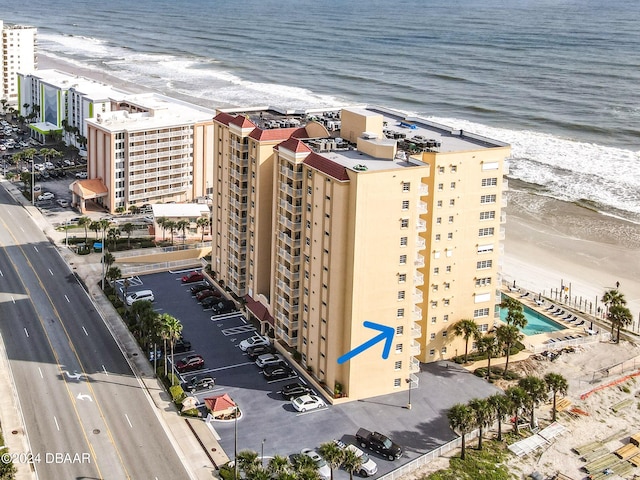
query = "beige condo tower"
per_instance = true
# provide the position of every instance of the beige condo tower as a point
(329, 220)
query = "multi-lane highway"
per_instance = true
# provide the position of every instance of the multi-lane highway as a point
(85, 412)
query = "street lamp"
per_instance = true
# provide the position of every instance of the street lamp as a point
(262, 452)
(408, 380)
(235, 444)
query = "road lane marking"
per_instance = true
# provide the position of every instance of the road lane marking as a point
(40, 370)
(105, 371)
(1, 274)
(85, 331)
(35, 248)
(50, 272)
(22, 229)
(84, 396)
(13, 299)
(74, 376)
(128, 421)
(26, 333)
(56, 420)
(67, 298)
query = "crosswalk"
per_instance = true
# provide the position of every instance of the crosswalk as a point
(236, 330)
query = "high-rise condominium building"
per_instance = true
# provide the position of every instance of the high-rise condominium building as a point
(18, 56)
(329, 220)
(147, 148)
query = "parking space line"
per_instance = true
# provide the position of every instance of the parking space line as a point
(231, 366)
(235, 330)
(311, 411)
(282, 379)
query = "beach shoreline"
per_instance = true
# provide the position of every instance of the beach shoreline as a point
(549, 242)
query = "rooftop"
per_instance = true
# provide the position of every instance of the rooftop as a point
(91, 89)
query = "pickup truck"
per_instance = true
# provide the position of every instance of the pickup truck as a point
(378, 443)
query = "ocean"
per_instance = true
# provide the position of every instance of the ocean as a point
(557, 79)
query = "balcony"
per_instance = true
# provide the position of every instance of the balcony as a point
(503, 218)
(502, 233)
(415, 348)
(290, 341)
(419, 261)
(422, 207)
(417, 313)
(288, 257)
(238, 189)
(292, 242)
(237, 219)
(294, 192)
(423, 189)
(158, 193)
(421, 244)
(418, 279)
(505, 185)
(239, 146)
(421, 225)
(237, 204)
(294, 226)
(296, 210)
(285, 321)
(289, 173)
(416, 331)
(417, 296)
(238, 176)
(415, 380)
(288, 273)
(414, 366)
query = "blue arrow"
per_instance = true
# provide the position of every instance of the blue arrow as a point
(386, 335)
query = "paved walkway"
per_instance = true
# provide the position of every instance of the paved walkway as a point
(193, 439)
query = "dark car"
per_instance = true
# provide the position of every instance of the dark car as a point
(294, 390)
(207, 293)
(199, 383)
(193, 277)
(192, 362)
(224, 306)
(255, 352)
(181, 346)
(379, 443)
(210, 302)
(199, 288)
(277, 372)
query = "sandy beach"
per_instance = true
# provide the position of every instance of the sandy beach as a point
(548, 243)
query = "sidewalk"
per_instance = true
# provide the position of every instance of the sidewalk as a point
(192, 438)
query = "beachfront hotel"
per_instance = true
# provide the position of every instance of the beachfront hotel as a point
(18, 56)
(148, 148)
(62, 102)
(325, 220)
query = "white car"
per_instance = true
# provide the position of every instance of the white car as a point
(81, 175)
(254, 342)
(46, 196)
(62, 202)
(307, 402)
(321, 464)
(367, 466)
(269, 359)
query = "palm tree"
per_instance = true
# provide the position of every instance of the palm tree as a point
(128, 228)
(96, 227)
(466, 328)
(134, 209)
(109, 259)
(482, 414)
(351, 462)
(161, 221)
(611, 298)
(145, 322)
(203, 224)
(508, 336)
(515, 312)
(489, 345)
(113, 234)
(501, 406)
(113, 274)
(305, 467)
(517, 399)
(333, 454)
(84, 222)
(120, 209)
(557, 384)
(461, 419)
(248, 462)
(173, 328)
(181, 225)
(536, 391)
(278, 465)
(171, 226)
(619, 316)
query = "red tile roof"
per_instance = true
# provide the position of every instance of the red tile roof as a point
(224, 118)
(294, 145)
(278, 133)
(242, 122)
(219, 403)
(327, 166)
(259, 310)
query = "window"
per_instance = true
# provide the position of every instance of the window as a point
(454, 168)
(432, 336)
(401, 295)
(453, 185)
(481, 312)
(489, 182)
(405, 204)
(440, 169)
(437, 237)
(444, 350)
(444, 333)
(309, 172)
(406, 186)
(483, 282)
(399, 330)
(308, 224)
(450, 218)
(309, 190)
(450, 236)
(485, 248)
(398, 348)
(486, 232)
(432, 352)
(308, 207)
(307, 241)
(490, 215)
(484, 264)
(403, 259)
(327, 197)
(439, 204)
(436, 270)
(445, 318)
(402, 277)
(400, 313)
(404, 241)
(446, 302)
(398, 365)
(488, 199)
(452, 202)
(306, 291)
(404, 223)
(446, 285)
(448, 268)
(484, 327)
(433, 320)
(440, 186)
(434, 303)
(397, 382)
(438, 220)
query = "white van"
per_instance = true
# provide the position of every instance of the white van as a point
(141, 295)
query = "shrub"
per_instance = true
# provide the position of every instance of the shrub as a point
(227, 472)
(177, 394)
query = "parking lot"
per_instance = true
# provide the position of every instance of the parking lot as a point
(270, 418)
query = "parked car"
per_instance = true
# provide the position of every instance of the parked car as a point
(307, 402)
(224, 306)
(63, 203)
(192, 277)
(321, 464)
(181, 346)
(277, 372)
(367, 466)
(46, 196)
(379, 443)
(294, 390)
(192, 362)
(141, 295)
(254, 341)
(81, 175)
(255, 352)
(207, 293)
(198, 383)
(269, 359)
(199, 288)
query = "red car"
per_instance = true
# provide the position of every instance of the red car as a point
(193, 277)
(192, 362)
(207, 293)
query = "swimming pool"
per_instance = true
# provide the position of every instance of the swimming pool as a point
(536, 322)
